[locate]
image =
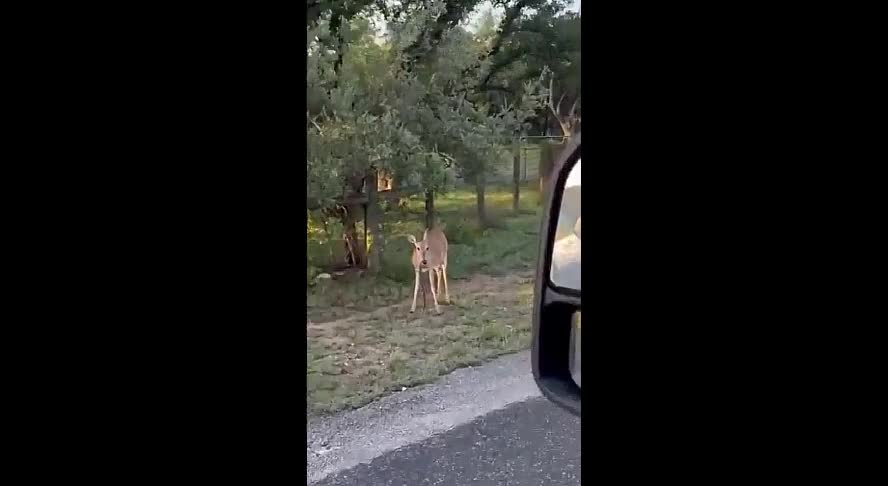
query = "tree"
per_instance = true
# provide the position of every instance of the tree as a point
(356, 129)
(399, 106)
(545, 44)
(468, 128)
(549, 39)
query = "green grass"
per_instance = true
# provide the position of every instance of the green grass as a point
(511, 246)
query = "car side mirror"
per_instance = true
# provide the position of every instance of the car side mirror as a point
(556, 348)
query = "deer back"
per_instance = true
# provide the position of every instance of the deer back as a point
(435, 247)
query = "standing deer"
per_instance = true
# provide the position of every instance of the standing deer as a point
(430, 255)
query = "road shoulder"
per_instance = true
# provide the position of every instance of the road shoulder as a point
(344, 440)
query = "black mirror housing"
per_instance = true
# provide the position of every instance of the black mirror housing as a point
(557, 289)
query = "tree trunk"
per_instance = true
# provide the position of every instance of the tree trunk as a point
(335, 27)
(548, 154)
(329, 238)
(372, 223)
(545, 168)
(431, 217)
(480, 183)
(516, 175)
(396, 186)
(354, 243)
(364, 239)
(524, 165)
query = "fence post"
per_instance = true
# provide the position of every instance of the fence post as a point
(516, 174)
(525, 162)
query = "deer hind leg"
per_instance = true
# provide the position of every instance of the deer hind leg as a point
(434, 295)
(415, 291)
(444, 277)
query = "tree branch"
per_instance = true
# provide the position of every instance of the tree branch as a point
(314, 123)
(454, 11)
(573, 107)
(503, 89)
(512, 14)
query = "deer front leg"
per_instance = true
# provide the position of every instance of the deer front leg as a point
(415, 291)
(434, 295)
(442, 283)
(446, 290)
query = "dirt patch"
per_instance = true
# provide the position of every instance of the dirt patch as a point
(361, 356)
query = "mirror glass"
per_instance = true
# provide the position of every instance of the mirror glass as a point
(565, 271)
(575, 349)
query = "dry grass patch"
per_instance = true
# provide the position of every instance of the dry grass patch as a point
(356, 359)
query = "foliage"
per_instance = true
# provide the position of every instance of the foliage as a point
(548, 39)
(371, 113)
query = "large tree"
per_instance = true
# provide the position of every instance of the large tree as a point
(401, 105)
(546, 39)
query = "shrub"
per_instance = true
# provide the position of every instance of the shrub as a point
(396, 265)
(461, 232)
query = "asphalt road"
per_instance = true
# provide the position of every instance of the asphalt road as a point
(531, 442)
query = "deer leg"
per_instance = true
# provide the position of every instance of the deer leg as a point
(434, 296)
(438, 281)
(444, 277)
(422, 287)
(415, 291)
(441, 284)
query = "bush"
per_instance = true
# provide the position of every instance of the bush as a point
(461, 232)
(493, 224)
(396, 265)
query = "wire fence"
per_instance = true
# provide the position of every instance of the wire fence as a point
(529, 154)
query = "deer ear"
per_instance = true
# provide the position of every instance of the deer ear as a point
(412, 239)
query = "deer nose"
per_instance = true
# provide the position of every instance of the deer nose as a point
(425, 262)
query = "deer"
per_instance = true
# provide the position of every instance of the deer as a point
(430, 255)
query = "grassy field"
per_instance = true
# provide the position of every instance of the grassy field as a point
(509, 247)
(363, 342)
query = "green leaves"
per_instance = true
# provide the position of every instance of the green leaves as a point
(421, 125)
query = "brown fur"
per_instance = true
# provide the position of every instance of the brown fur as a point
(430, 255)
